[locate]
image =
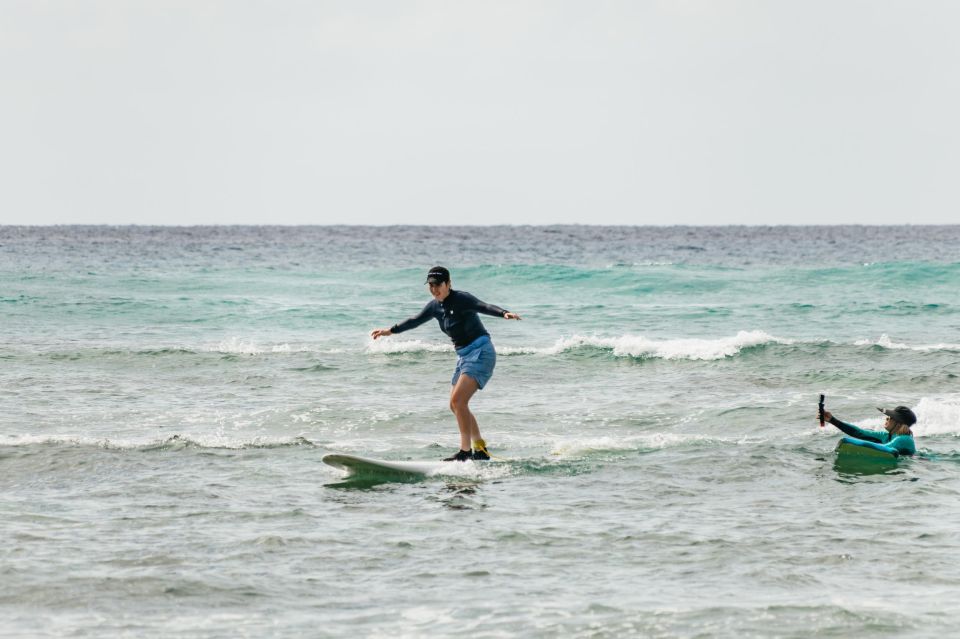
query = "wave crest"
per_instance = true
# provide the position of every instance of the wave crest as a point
(390, 347)
(237, 346)
(685, 348)
(884, 341)
(938, 416)
(635, 346)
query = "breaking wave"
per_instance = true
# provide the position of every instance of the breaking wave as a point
(884, 341)
(635, 346)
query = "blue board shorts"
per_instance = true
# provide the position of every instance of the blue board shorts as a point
(477, 360)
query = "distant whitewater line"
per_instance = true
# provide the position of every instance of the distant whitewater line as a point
(885, 342)
(624, 346)
(636, 346)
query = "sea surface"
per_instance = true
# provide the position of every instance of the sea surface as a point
(167, 394)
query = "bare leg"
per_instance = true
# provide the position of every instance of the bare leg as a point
(460, 396)
(475, 429)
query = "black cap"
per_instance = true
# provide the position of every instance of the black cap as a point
(438, 275)
(900, 414)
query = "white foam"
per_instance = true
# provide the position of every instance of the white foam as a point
(519, 350)
(649, 441)
(70, 440)
(937, 416)
(577, 447)
(471, 470)
(390, 346)
(684, 348)
(236, 345)
(884, 341)
(622, 346)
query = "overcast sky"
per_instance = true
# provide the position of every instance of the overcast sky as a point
(521, 112)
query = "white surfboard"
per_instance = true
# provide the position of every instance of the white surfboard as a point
(356, 465)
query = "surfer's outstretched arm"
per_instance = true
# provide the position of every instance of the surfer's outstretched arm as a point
(488, 309)
(855, 431)
(411, 322)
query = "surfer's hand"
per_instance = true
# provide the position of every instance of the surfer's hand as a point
(827, 416)
(509, 315)
(380, 332)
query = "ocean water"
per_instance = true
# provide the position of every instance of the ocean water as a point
(166, 396)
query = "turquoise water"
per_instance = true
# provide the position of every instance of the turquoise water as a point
(166, 395)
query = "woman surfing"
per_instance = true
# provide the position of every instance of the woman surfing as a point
(456, 312)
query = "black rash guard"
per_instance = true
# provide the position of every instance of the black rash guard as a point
(457, 315)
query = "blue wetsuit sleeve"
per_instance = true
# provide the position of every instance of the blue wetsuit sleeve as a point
(869, 444)
(412, 322)
(859, 433)
(482, 307)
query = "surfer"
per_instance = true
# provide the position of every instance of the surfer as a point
(456, 311)
(896, 437)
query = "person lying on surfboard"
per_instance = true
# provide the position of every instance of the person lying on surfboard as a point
(896, 437)
(456, 311)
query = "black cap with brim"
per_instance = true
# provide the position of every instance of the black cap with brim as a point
(438, 275)
(901, 414)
